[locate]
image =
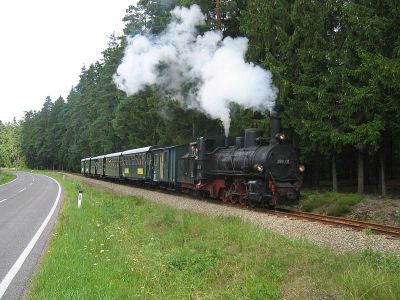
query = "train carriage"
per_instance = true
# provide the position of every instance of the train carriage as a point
(85, 166)
(136, 164)
(97, 166)
(112, 166)
(165, 163)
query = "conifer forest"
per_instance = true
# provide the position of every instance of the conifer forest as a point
(335, 65)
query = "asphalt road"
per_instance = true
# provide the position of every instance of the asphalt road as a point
(28, 209)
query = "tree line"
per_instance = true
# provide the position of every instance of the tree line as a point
(335, 62)
(10, 145)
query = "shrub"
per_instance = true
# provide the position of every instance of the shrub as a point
(334, 204)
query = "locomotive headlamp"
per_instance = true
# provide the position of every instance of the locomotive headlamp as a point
(280, 136)
(302, 168)
(259, 168)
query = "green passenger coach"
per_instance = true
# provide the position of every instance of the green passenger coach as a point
(112, 167)
(136, 164)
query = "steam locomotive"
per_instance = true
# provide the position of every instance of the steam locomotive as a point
(248, 170)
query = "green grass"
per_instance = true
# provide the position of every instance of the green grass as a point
(123, 247)
(333, 204)
(6, 176)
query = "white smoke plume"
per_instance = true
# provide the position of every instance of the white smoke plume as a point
(210, 68)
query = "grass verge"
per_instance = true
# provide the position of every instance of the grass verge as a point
(6, 176)
(333, 204)
(123, 247)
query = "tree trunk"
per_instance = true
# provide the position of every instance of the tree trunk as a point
(382, 183)
(334, 175)
(315, 172)
(360, 188)
(391, 156)
(193, 128)
(218, 14)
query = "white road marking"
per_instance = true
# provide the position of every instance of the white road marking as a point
(31, 183)
(22, 190)
(21, 259)
(3, 200)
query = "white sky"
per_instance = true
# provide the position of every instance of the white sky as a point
(45, 43)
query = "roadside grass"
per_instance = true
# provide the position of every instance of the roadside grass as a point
(6, 176)
(124, 247)
(333, 204)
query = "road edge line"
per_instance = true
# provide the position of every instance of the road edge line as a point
(21, 259)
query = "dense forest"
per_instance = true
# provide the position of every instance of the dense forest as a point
(336, 64)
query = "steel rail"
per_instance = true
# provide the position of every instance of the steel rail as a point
(360, 225)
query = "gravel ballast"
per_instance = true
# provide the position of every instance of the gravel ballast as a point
(338, 239)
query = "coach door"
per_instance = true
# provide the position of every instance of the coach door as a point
(149, 166)
(161, 166)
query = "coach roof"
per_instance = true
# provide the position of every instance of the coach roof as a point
(113, 154)
(138, 150)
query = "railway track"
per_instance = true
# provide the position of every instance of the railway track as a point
(335, 221)
(342, 222)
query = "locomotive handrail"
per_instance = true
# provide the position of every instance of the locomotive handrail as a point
(215, 150)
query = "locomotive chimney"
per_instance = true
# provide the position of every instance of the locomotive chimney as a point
(275, 125)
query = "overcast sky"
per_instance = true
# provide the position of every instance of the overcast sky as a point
(45, 43)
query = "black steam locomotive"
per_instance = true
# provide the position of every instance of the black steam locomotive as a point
(245, 170)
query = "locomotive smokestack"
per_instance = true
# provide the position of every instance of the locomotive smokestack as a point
(275, 124)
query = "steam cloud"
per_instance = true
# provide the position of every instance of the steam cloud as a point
(207, 72)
